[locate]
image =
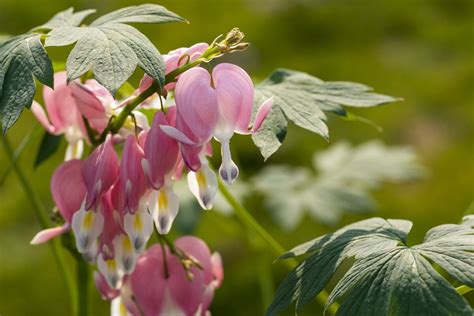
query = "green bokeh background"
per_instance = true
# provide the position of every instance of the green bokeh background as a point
(419, 50)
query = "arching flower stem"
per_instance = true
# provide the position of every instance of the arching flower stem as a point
(231, 43)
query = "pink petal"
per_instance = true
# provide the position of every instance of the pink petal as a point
(189, 153)
(145, 83)
(197, 50)
(198, 249)
(172, 62)
(234, 90)
(217, 269)
(207, 299)
(68, 188)
(161, 151)
(148, 281)
(175, 133)
(106, 292)
(171, 115)
(48, 234)
(197, 102)
(100, 91)
(262, 114)
(89, 105)
(117, 195)
(112, 226)
(40, 115)
(187, 294)
(59, 103)
(131, 174)
(100, 171)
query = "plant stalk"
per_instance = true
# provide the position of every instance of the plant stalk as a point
(43, 221)
(248, 220)
(83, 276)
(118, 122)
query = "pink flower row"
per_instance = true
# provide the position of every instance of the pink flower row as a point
(111, 205)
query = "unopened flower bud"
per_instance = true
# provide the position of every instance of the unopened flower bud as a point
(234, 37)
(232, 42)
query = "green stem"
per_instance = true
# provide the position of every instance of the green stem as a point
(118, 122)
(43, 220)
(83, 277)
(33, 134)
(205, 57)
(464, 289)
(248, 220)
(265, 279)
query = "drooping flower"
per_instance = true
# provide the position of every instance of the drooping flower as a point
(94, 102)
(99, 172)
(213, 106)
(68, 190)
(170, 289)
(161, 160)
(234, 91)
(132, 188)
(97, 105)
(63, 116)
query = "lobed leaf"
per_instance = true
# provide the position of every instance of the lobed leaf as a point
(22, 58)
(113, 49)
(304, 99)
(387, 277)
(66, 18)
(145, 13)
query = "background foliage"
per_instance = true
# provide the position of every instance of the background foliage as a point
(420, 50)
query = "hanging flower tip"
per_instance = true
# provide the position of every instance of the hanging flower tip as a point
(262, 114)
(164, 208)
(203, 185)
(228, 169)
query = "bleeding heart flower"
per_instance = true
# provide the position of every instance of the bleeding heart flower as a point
(64, 116)
(213, 106)
(68, 190)
(161, 160)
(100, 172)
(169, 289)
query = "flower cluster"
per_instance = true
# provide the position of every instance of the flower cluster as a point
(112, 204)
(178, 281)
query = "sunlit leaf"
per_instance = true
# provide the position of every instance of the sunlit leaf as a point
(345, 177)
(303, 99)
(387, 277)
(66, 18)
(22, 58)
(113, 49)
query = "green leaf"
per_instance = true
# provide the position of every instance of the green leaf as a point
(112, 49)
(346, 175)
(304, 99)
(65, 18)
(49, 145)
(387, 277)
(22, 58)
(145, 13)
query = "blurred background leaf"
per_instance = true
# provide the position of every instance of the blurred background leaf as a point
(345, 177)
